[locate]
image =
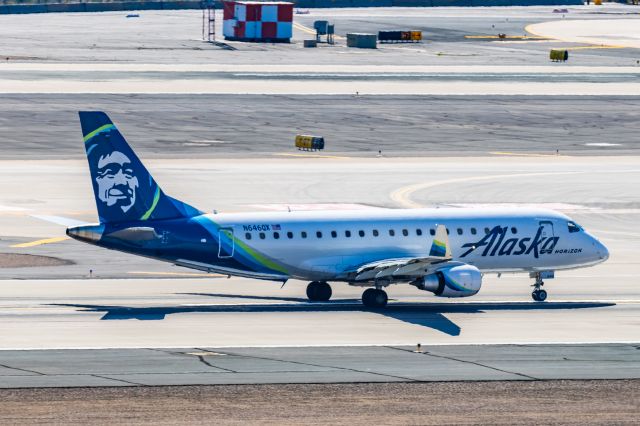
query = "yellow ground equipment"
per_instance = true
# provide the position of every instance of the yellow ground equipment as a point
(558, 55)
(309, 143)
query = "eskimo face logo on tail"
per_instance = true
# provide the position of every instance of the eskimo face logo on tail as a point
(117, 183)
(495, 243)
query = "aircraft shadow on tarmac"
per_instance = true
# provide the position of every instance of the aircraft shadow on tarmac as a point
(429, 315)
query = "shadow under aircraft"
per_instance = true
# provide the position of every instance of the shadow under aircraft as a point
(429, 315)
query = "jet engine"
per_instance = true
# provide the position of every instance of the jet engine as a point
(460, 280)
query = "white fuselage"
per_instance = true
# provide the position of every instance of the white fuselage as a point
(324, 245)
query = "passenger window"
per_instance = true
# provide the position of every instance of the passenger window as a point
(375, 233)
(392, 232)
(347, 234)
(459, 231)
(432, 232)
(247, 235)
(448, 232)
(514, 230)
(276, 235)
(405, 232)
(573, 227)
(418, 232)
(473, 231)
(318, 234)
(361, 233)
(290, 235)
(303, 234)
(334, 234)
(262, 236)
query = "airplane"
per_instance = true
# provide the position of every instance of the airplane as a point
(445, 251)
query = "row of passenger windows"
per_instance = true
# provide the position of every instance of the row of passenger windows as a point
(374, 232)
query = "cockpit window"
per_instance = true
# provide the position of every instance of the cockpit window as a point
(574, 227)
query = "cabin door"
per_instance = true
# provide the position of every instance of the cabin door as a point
(226, 243)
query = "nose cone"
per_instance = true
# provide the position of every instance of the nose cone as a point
(601, 250)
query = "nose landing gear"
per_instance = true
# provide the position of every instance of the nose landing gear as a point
(538, 294)
(319, 291)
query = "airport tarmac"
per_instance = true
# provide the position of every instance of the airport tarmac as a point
(452, 36)
(264, 126)
(133, 304)
(75, 315)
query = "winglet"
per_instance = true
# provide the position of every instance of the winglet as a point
(440, 246)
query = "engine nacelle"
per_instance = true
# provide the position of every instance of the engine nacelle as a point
(452, 281)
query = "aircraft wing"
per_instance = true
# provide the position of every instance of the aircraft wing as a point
(439, 253)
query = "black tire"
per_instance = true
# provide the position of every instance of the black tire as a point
(374, 298)
(367, 297)
(534, 295)
(380, 299)
(542, 296)
(312, 291)
(323, 292)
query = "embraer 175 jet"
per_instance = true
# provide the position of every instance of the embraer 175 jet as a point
(443, 251)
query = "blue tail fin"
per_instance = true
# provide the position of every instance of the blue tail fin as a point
(124, 189)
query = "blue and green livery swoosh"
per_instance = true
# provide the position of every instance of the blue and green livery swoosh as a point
(243, 253)
(101, 129)
(438, 249)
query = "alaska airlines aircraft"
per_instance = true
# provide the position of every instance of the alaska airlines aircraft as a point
(443, 251)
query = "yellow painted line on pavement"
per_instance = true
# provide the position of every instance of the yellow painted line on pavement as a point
(176, 274)
(522, 37)
(403, 195)
(312, 31)
(39, 242)
(303, 28)
(285, 154)
(594, 46)
(591, 45)
(525, 154)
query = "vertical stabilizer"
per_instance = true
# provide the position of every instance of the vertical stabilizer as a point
(124, 189)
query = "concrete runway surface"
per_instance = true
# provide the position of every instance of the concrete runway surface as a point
(139, 303)
(215, 126)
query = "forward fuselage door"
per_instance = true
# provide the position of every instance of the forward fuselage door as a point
(226, 243)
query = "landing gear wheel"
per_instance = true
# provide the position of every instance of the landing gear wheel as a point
(542, 295)
(539, 295)
(318, 291)
(374, 298)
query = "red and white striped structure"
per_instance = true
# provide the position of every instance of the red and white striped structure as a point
(257, 21)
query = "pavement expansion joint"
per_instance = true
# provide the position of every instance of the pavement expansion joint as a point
(208, 364)
(408, 379)
(22, 369)
(427, 353)
(117, 380)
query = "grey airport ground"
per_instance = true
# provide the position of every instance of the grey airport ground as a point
(213, 138)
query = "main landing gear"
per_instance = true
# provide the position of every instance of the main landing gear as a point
(374, 298)
(538, 294)
(319, 291)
